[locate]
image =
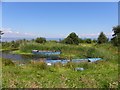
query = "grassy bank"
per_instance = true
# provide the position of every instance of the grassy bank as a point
(8, 49)
(72, 51)
(34, 75)
(20, 52)
(100, 74)
(67, 50)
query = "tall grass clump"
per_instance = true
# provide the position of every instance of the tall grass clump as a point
(7, 62)
(86, 65)
(107, 51)
(28, 47)
(70, 65)
(58, 65)
(67, 50)
(91, 52)
(39, 65)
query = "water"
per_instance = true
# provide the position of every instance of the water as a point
(26, 58)
(17, 57)
(49, 60)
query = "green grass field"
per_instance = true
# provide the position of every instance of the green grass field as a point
(100, 74)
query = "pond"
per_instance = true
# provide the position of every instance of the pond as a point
(51, 59)
(25, 58)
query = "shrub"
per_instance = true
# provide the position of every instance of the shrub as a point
(88, 40)
(40, 40)
(116, 36)
(81, 40)
(72, 39)
(102, 38)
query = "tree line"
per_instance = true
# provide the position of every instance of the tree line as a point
(73, 38)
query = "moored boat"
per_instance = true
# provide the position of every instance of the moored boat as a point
(46, 52)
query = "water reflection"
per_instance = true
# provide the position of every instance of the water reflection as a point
(25, 58)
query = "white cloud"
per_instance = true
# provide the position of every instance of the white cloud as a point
(88, 35)
(109, 33)
(95, 35)
(29, 34)
(8, 32)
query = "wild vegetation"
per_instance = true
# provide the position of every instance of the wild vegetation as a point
(116, 36)
(99, 74)
(40, 40)
(38, 74)
(72, 38)
(102, 38)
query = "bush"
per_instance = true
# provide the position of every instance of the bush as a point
(71, 39)
(94, 41)
(40, 40)
(81, 40)
(88, 41)
(116, 36)
(102, 38)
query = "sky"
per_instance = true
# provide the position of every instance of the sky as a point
(58, 19)
(60, 0)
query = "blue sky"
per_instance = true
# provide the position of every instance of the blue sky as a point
(57, 20)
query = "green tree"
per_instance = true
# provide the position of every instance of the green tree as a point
(1, 33)
(94, 41)
(81, 40)
(102, 38)
(72, 38)
(88, 40)
(15, 44)
(40, 40)
(116, 36)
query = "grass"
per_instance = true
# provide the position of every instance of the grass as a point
(19, 52)
(0, 74)
(34, 75)
(8, 49)
(68, 51)
(73, 51)
(100, 74)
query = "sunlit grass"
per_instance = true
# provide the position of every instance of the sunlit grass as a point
(100, 74)
(19, 52)
(59, 76)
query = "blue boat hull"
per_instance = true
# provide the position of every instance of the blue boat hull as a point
(47, 53)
